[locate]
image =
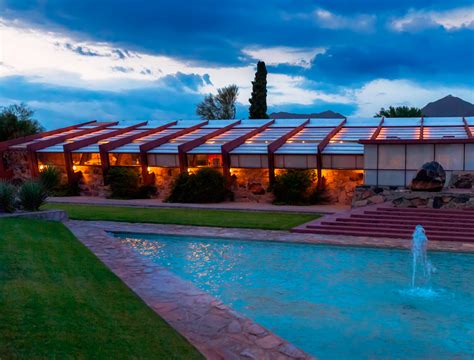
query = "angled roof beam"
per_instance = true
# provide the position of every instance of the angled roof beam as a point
(321, 146)
(467, 128)
(378, 130)
(104, 149)
(188, 146)
(422, 128)
(68, 148)
(231, 145)
(160, 141)
(276, 144)
(5, 144)
(33, 148)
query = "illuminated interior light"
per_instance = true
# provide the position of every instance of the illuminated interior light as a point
(302, 142)
(341, 142)
(148, 169)
(290, 141)
(248, 142)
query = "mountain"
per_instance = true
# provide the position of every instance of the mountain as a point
(322, 115)
(448, 106)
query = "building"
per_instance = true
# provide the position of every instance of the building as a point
(347, 152)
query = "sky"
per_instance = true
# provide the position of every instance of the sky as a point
(75, 61)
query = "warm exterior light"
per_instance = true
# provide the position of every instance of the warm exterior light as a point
(41, 167)
(148, 169)
(74, 167)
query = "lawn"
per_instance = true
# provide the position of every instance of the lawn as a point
(199, 217)
(57, 300)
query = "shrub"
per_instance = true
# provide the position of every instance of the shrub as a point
(297, 187)
(124, 182)
(7, 197)
(292, 187)
(207, 185)
(68, 189)
(50, 178)
(32, 195)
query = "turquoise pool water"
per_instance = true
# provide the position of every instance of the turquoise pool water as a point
(333, 302)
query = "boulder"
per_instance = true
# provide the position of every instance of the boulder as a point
(465, 181)
(256, 189)
(431, 177)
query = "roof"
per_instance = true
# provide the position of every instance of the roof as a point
(250, 136)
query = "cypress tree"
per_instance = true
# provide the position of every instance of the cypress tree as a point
(258, 101)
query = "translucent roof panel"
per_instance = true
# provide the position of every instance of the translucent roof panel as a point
(183, 124)
(470, 120)
(252, 123)
(25, 144)
(94, 148)
(442, 132)
(287, 123)
(443, 121)
(354, 134)
(60, 147)
(362, 122)
(324, 122)
(124, 124)
(134, 146)
(218, 124)
(342, 148)
(387, 133)
(171, 147)
(304, 142)
(152, 124)
(214, 144)
(402, 122)
(258, 144)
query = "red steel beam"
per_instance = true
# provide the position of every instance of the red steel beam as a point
(6, 144)
(422, 128)
(69, 148)
(160, 141)
(321, 146)
(467, 128)
(104, 149)
(231, 145)
(378, 130)
(276, 144)
(33, 148)
(188, 146)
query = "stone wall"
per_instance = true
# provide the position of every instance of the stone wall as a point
(92, 182)
(251, 185)
(164, 178)
(462, 180)
(17, 163)
(401, 197)
(342, 183)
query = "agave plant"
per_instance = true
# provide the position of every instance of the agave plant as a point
(7, 197)
(50, 178)
(32, 195)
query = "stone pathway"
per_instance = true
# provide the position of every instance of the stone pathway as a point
(213, 328)
(246, 206)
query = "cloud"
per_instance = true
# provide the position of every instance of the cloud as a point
(357, 22)
(383, 93)
(301, 57)
(453, 19)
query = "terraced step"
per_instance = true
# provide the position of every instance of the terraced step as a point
(347, 222)
(420, 215)
(408, 220)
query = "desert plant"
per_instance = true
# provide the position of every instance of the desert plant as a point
(292, 187)
(7, 197)
(32, 195)
(207, 185)
(320, 194)
(124, 182)
(50, 178)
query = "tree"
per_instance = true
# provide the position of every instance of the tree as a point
(258, 101)
(220, 106)
(16, 121)
(399, 111)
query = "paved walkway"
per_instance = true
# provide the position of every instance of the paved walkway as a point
(247, 206)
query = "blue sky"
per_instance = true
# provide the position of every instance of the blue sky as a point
(127, 60)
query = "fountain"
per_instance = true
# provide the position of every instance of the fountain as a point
(420, 260)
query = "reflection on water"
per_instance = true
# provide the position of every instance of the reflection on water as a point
(335, 303)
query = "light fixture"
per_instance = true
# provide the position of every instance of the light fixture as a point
(74, 167)
(148, 169)
(41, 167)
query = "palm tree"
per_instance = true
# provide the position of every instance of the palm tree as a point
(220, 106)
(16, 121)
(399, 112)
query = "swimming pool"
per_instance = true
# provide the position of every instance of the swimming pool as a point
(333, 302)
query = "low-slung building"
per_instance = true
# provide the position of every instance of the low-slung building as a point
(347, 152)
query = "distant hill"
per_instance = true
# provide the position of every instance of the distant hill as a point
(449, 106)
(322, 115)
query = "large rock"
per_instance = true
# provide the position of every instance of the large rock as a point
(431, 177)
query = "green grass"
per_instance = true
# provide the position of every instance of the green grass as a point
(199, 217)
(57, 300)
